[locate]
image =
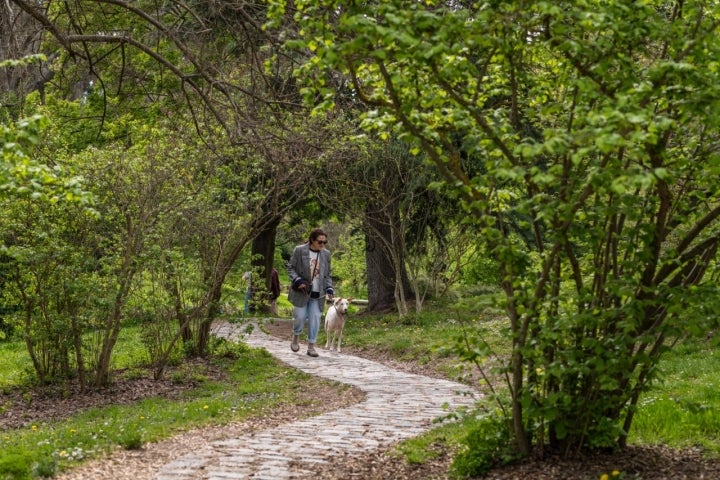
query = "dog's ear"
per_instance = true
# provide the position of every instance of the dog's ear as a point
(350, 299)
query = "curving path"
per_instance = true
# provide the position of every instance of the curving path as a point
(398, 406)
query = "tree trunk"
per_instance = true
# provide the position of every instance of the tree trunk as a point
(263, 257)
(381, 277)
(380, 267)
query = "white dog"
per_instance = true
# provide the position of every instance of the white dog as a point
(335, 321)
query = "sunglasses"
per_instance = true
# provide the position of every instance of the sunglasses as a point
(321, 242)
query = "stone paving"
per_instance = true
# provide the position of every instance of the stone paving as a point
(398, 406)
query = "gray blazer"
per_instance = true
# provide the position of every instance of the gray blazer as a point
(299, 267)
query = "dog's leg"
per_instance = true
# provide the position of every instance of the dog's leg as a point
(339, 339)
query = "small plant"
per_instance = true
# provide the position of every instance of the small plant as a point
(15, 466)
(134, 373)
(189, 373)
(221, 347)
(130, 439)
(44, 468)
(487, 445)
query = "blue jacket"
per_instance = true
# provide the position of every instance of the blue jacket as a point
(298, 269)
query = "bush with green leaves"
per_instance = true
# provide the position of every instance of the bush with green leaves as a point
(581, 138)
(488, 443)
(14, 467)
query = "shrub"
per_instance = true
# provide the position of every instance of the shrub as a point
(15, 466)
(487, 445)
(130, 439)
(44, 468)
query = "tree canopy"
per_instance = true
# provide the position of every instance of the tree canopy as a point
(582, 137)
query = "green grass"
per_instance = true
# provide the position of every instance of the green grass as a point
(14, 364)
(424, 338)
(420, 449)
(255, 384)
(683, 409)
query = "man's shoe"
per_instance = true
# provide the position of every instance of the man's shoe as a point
(311, 350)
(295, 346)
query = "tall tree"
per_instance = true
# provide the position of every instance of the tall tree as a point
(375, 186)
(383, 184)
(210, 60)
(594, 122)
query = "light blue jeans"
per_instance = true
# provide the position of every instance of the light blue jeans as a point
(248, 296)
(311, 313)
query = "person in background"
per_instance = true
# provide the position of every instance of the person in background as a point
(274, 291)
(247, 277)
(310, 275)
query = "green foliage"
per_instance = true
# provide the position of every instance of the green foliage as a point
(23, 176)
(348, 264)
(482, 269)
(487, 445)
(44, 468)
(223, 348)
(11, 100)
(24, 465)
(48, 281)
(76, 272)
(16, 466)
(584, 129)
(130, 437)
(14, 361)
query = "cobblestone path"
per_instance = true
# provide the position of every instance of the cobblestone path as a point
(398, 405)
